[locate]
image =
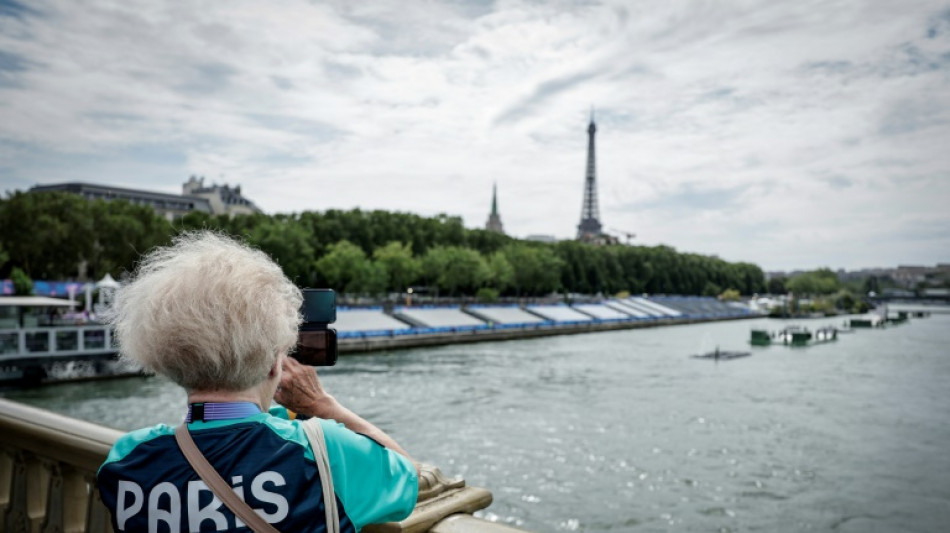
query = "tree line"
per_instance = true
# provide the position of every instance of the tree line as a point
(56, 235)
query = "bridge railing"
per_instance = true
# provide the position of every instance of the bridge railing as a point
(48, 464)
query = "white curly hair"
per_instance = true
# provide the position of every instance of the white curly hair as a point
(208, 312)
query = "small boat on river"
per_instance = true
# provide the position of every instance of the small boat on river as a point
(40, 343)
(722, 355)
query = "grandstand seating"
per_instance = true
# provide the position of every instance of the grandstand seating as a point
(639, 306)
(625, 307)
(704, 307)
(366, 320)
(665, 311)
(438, 317)
(559, 313)
(602, 312)
(421, 320)
(504, 315)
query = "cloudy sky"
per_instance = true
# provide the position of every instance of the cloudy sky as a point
(793, 134)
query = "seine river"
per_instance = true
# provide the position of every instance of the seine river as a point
(622, 431)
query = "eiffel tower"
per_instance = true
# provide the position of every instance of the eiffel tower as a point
(589, 230)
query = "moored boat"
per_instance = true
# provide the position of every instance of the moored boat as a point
(39, 343)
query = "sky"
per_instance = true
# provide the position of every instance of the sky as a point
(791, 134)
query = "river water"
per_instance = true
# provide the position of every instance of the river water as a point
(622, 431)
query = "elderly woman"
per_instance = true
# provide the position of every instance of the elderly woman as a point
(218, 318)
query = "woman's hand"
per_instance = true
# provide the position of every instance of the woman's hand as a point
(300, 390)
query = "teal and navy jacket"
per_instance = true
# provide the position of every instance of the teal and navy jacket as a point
(148, 485)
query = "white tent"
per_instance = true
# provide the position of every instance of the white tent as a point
(107, 282)
(107, 287)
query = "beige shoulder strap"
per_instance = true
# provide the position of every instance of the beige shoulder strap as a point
(319, 445)
(217, 485)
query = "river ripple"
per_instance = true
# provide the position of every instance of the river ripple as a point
(621, 431)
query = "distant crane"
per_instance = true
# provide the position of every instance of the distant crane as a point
(629, 235)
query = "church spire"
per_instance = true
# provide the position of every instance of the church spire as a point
(494, 198)
(494, 219)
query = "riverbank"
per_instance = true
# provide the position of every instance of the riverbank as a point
(69, 354)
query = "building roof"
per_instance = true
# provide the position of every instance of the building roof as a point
(78, 187)
(33, 301)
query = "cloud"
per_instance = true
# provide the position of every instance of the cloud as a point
(542, 93)
(13, 9)
(805, 130)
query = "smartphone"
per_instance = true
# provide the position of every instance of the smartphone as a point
(316, 341)
(316, 348)
(319, 306)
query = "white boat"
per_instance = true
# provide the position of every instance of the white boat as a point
(40, 343)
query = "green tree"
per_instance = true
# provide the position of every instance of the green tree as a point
(47, 234)
(401, 269)
(777, 286)
(487, 295)
(711, 289)
(123, 232)
(375, 278)
(502, 274)
(454, 269)
(345, 267)
(816, 282)
(844, 300)
(4, 256)
(22, 284)
(288, 243)
(537, 270)
(730, 295)
(199, 220)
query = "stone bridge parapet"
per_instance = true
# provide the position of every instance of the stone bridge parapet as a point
(48, 464)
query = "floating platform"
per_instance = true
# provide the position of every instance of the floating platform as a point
(761, 337)
(867, 321)
(899, 318)
(793, 336)
(827, 334)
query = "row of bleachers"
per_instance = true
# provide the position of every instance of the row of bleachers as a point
(559, 313)
(650, 304)
(372, 322)
(625, 307)
(601, 311)
(702, 307)
(645, 309)
(366, 320)
(506, 315)
(437, 317)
